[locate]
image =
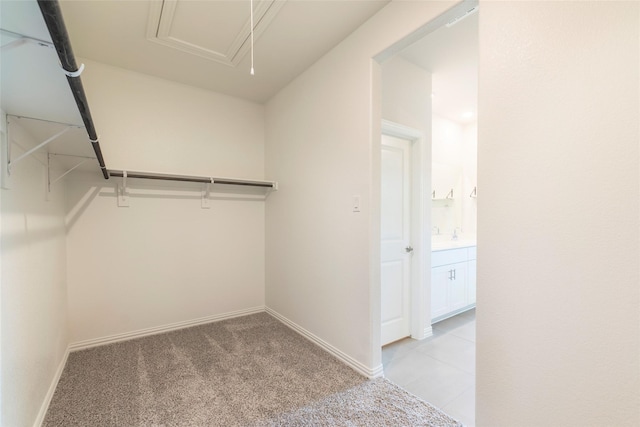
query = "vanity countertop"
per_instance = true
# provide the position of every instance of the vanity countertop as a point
(443, 245)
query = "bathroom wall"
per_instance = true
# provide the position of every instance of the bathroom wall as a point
(454, 162)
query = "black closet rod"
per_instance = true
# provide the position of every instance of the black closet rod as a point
(55, 23)
(186, 178)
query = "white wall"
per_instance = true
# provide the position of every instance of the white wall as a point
(3, 140)
(558, 216)
(150, 124)
(447, 173)
(406, 95)
(323, 142)
(34, 290)
(163, 259)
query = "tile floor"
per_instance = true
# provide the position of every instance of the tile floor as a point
(439, 369)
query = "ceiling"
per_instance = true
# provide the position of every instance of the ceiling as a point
(206, 44)
(199, 43)
(451, 55)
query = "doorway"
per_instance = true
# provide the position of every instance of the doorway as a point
(402, 242)
(451, 133)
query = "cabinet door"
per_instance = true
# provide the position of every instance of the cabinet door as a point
(439, 285)
(457, 289)
(471, 283)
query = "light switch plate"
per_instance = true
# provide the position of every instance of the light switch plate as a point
(356, 203)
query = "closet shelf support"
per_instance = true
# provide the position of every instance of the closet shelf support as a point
(21, 39)
(52, 15)
(12, 163)
(83, 160)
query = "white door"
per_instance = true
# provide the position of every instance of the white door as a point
(395, 254)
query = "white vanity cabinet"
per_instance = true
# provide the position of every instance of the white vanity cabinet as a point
(453, 282)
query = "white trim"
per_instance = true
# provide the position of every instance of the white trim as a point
(453, 313)
(52, 389)
(344, 358)
(435, 24)
(95, 342)
(428, 332)
(400, 131)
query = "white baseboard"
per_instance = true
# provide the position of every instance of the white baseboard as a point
(95, 342)
(52, 389)
(344, 358)
(428, 331)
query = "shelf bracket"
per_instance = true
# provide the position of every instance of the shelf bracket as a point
(12, 44)
(12, 163)
(206, 201)
(271, 189)
(21, 39)
(122, 193)
(5, 154)
(74, 167)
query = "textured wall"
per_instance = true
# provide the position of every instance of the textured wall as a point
(558, 216)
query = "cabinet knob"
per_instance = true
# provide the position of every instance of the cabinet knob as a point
(408, 249)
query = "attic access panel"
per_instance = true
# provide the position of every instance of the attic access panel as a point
(215, 30)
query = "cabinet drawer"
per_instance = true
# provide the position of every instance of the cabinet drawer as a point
(450, 256)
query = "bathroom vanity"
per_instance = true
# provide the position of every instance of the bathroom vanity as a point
(453, 278)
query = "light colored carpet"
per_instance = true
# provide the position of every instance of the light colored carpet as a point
(247, 371)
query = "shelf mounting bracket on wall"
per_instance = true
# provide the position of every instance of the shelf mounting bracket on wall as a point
(11, 163)
(121, 191)
(206, 202)
(20, 40)
(50, 181)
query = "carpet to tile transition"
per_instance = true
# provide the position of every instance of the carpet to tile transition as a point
(247, 371)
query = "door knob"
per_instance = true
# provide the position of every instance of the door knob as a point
(408, 249)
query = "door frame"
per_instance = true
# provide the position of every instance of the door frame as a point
(420, 223)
